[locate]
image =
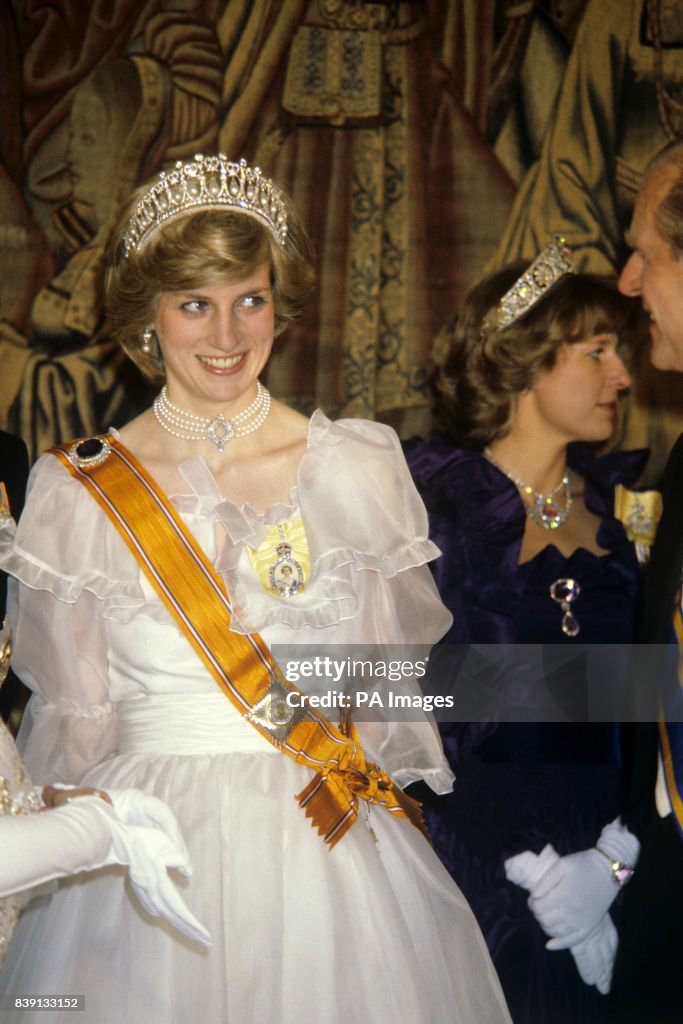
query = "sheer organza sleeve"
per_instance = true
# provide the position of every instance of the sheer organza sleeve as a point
(398, 601)
(55, 603)
(368, 532)
(398, 730)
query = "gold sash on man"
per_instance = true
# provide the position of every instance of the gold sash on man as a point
(671, 724)
(195, 596)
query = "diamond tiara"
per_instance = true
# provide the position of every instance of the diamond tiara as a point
(548, 267)
(206, 183)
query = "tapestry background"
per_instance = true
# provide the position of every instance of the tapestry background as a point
(424, 143)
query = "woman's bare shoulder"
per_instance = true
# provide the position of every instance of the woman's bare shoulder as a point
(135, 434)
(295, 423)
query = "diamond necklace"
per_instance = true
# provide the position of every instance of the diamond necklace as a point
(544, 510)
(219, 430)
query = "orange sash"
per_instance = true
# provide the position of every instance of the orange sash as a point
(195, 596)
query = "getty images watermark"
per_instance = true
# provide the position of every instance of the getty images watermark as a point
(564, 682)
(349, 669)
(372, 683)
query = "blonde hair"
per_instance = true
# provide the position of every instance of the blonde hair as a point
(194, 251)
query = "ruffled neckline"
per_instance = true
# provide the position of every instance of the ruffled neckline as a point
(489, 503)
(243, 523)
(439, 466)
(353, 521)
(330, 595)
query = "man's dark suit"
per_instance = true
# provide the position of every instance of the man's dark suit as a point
(13, 473)
(647, 985)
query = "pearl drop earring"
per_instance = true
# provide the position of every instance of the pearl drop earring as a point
(147, 339)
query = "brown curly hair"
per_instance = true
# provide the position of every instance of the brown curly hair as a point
(200, 249)
(480, 371)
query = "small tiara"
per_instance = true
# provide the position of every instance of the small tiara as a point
(548, 267)
(206, 183)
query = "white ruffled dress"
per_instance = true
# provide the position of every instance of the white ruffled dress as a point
(372, 930)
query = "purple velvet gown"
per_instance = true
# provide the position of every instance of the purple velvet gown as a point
(522, 785)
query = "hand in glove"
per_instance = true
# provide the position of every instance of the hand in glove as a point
(148, 840)
(527, 869)
(134, 807)
(143, 835)
(594, 955)
(575, 893)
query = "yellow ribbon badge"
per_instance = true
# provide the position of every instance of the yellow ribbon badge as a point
(640, 512)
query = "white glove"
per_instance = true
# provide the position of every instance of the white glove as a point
(135, 830)
(527, 869)
(594, 955)
(594, 952)
(148, 840)
(575, 893)
(134, 807)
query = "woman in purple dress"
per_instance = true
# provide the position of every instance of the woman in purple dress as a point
(534, 555)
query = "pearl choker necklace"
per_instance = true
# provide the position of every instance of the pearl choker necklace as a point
(544, 510)
(188, 427)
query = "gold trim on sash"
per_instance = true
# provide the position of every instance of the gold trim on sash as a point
(671, 779)
(194, 594)
(5, 513)
(670, 774)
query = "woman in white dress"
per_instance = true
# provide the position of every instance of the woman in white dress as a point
(86, 829)
(158, 567)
